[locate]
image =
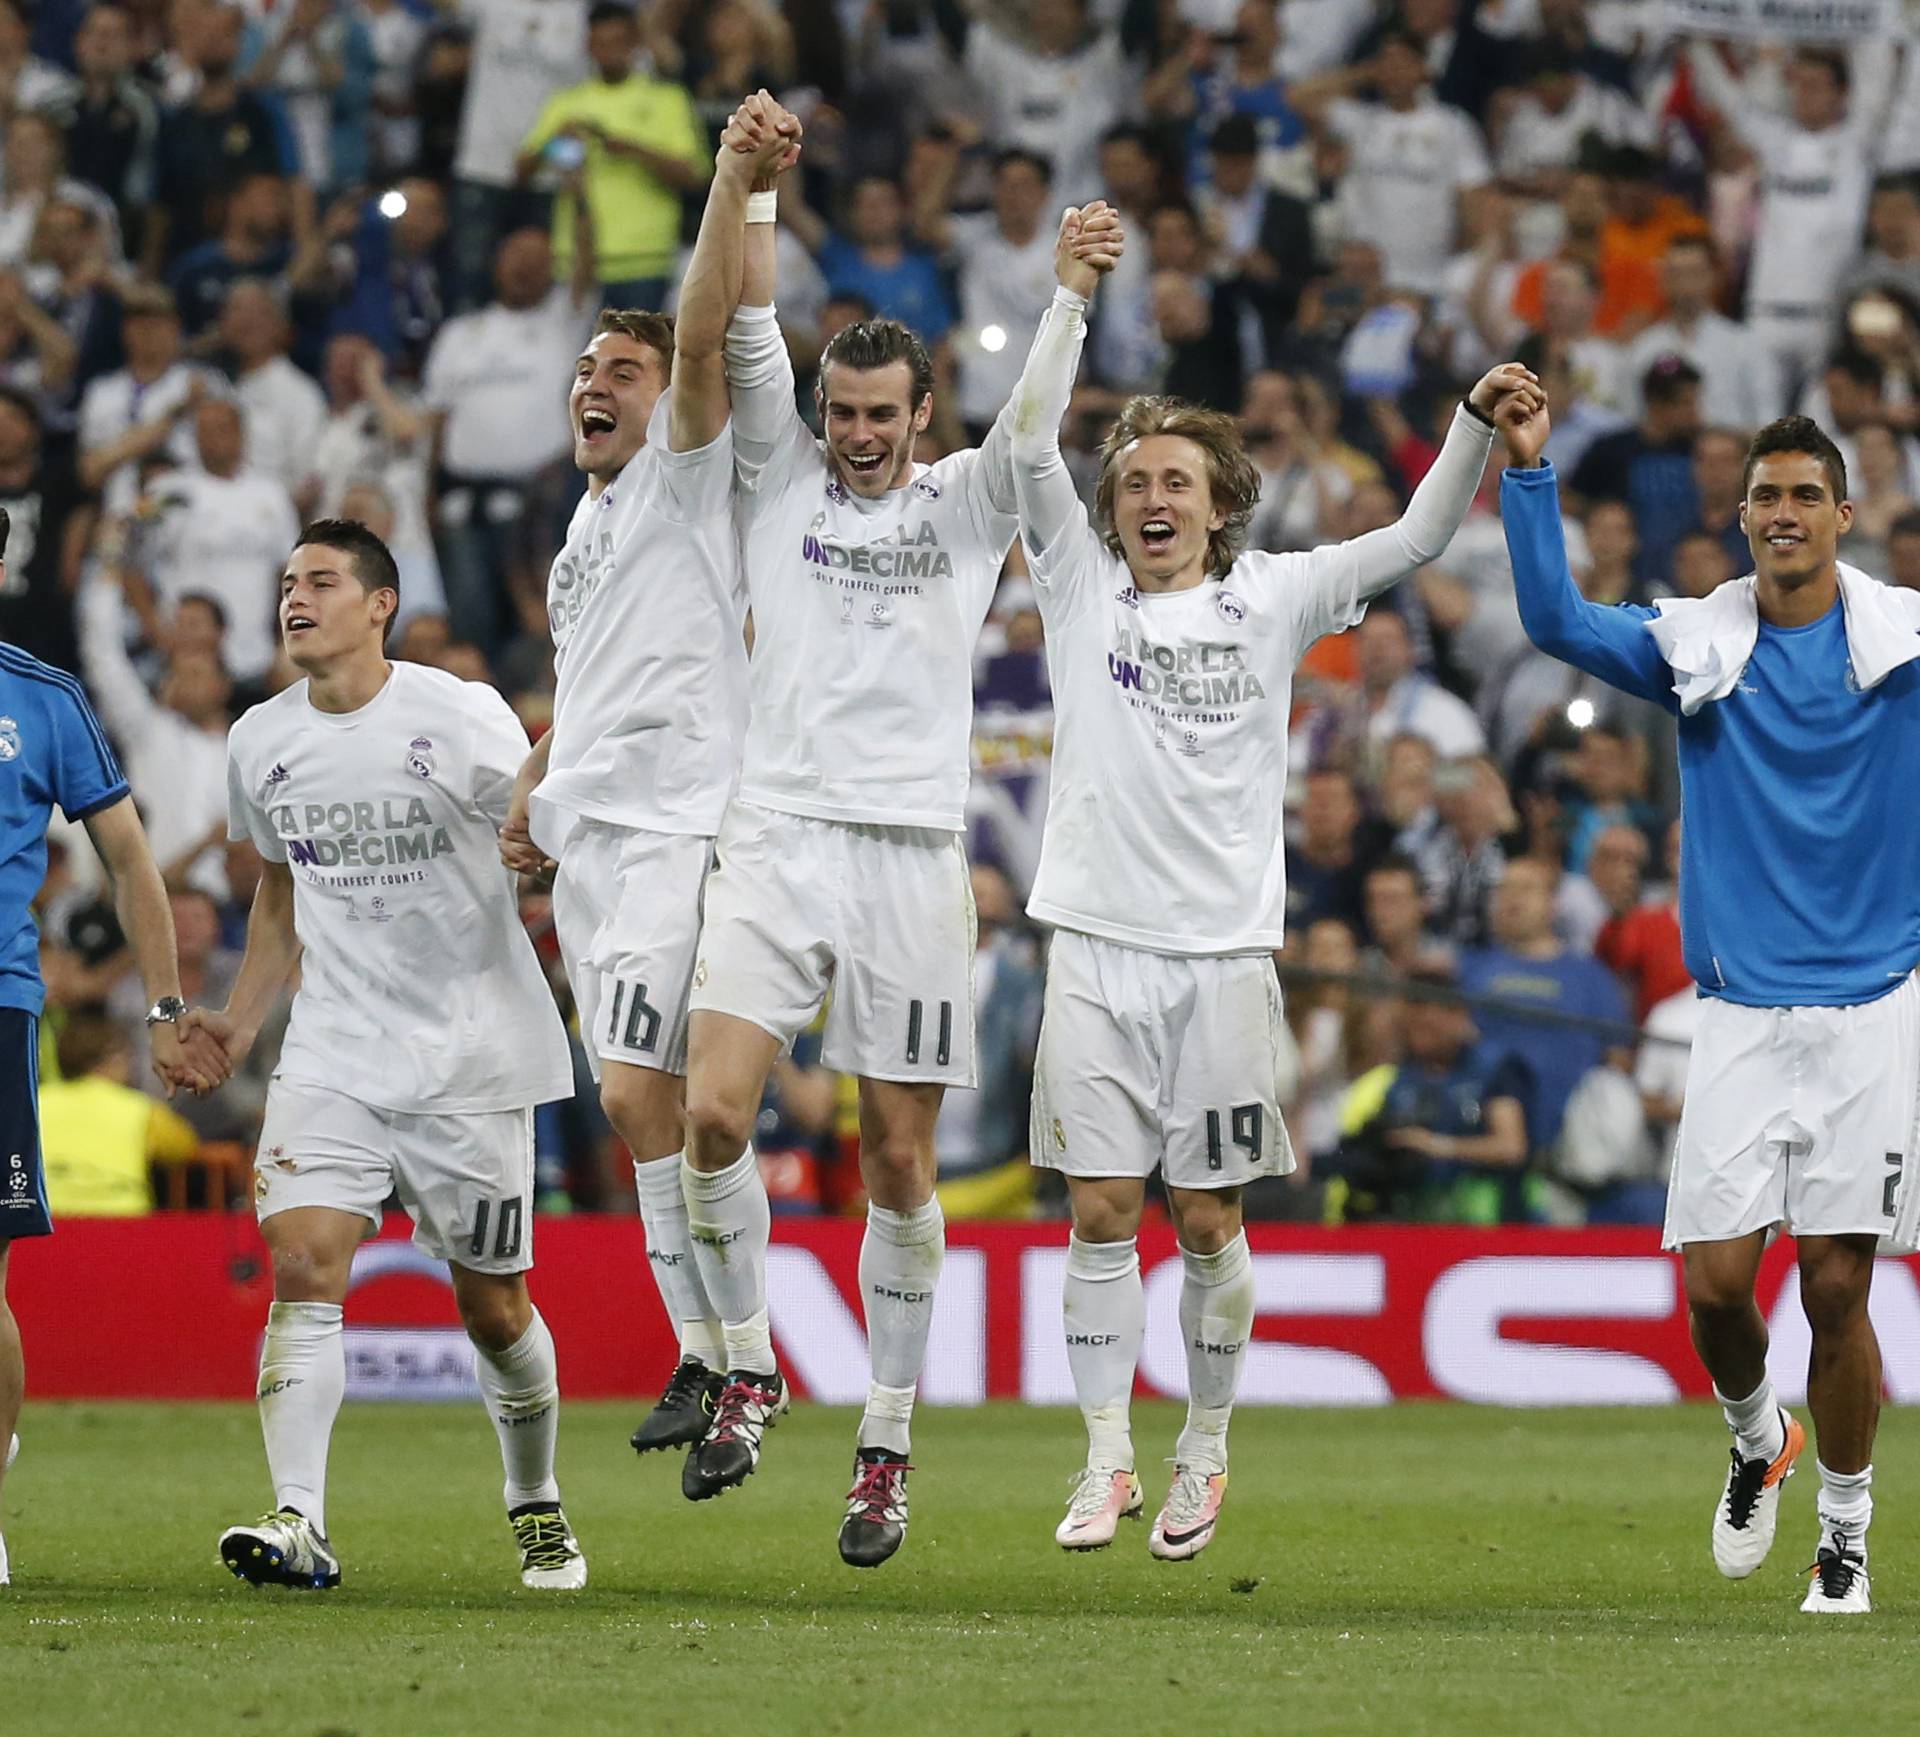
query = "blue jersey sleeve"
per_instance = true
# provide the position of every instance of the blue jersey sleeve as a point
(1611, 643)
(85, 775)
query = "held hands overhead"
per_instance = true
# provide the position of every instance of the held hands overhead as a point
(1090, 245)
(763, 137)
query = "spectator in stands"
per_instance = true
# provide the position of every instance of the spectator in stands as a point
(1650, 466)
(1263, 237)
(144, 408)
(26, 81)
(36, 174)
(1609, 771)
(318, 60)
(1398, 698)
(211, 142)
(286, 412)
(69, 277)
(1207, 81)
(173, 743)
(522, 51)
(1410, 159)
(1002, 259)
(1719, 483)
(397, 37)
(644, 151)
(1640, 942)
(982, 1133)
(1327, 1017)
(113, 123)
(388, 274)
(99, 1133)
(1903, 552)
(1527, 965)
(874, 260)
(255, 241)
(1300, 490)
(1892, 256)
(495, 385)
(1196, 315)
(1445, 1135)
(1396, 907)
(1739, 386)
(1816, 172)
(50, 526)
(1467, 858)
(38, 356)
(1124, 348)
(1561, 112)
(1626, 289)
(1324, 873)
(380, 433)
(1056, 92)
(224, 530)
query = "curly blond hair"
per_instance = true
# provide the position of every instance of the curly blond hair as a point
(1231, 476)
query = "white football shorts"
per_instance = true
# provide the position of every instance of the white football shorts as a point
(626, 910)
(466, 1181)
(881, 916)
(1802, 1117)
(1153, 1061)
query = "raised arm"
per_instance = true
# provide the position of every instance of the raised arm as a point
(759, 370)
(1047, 501)
(697, 409)
(1611, 643)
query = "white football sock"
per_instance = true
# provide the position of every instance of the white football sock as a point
(663, 1211)
(1755, 1421)
(729, 1221)
(521, 1386)
(1216, 1320)
(303, 1378)
(1846, 1505)
(900, 1260)
(1106, 1311)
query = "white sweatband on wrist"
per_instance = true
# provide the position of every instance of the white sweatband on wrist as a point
(764, 207)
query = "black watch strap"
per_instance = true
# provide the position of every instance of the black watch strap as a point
(1473, 410)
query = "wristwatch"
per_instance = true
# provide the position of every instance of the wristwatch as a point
(168, 1010)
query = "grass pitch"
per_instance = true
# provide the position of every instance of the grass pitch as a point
(1425, 1569)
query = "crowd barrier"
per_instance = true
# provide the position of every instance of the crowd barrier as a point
(172, 1307)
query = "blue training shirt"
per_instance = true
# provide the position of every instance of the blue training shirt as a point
(1800, 848)
(52, 750)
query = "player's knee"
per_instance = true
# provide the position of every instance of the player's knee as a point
(1205, 1222)
(1098, 1219)
(718, 1128)
(496, 1318)
(305, 1273)
(644, 1108)
(1715, 1297)
(1833, 1292)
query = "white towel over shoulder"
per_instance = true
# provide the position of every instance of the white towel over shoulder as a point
(1708, 640)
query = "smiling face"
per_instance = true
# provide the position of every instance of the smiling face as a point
(1792, 519)
(616, 384)
(871, 422)
(1163, 509)
(325, 611)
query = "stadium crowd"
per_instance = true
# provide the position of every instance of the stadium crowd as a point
(263, 262)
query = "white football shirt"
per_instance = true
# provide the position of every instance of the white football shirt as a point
(648, 611)
(419, 989)
(864, 612)
(1165, 811)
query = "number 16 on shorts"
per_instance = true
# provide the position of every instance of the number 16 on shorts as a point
(633, 1022)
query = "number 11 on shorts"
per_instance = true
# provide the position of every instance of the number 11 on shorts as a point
(916, 1023)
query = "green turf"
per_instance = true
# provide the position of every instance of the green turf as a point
(1427, 1569)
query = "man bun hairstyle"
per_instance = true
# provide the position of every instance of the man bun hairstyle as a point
(1803, 435)
(1231, 476)
(869, 344)
(371, 560)
(642, 325)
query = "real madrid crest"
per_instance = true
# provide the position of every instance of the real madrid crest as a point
(419, 760)
(9, 739)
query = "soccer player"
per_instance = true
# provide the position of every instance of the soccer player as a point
(421, 1037)
(648, 610)
(53, 751)
(1172, 659)
(1797, 693)
(841, 862)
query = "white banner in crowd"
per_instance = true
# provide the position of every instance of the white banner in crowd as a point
(1795, 20)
